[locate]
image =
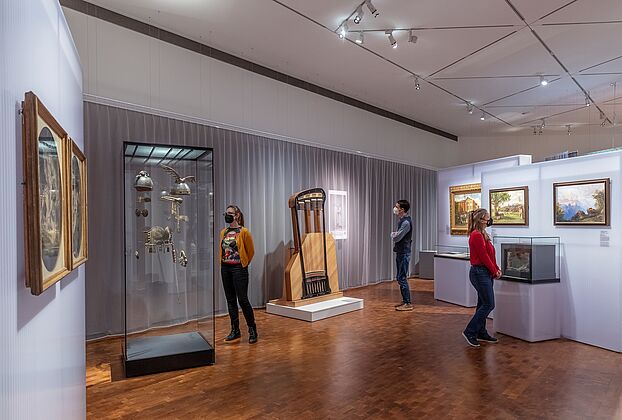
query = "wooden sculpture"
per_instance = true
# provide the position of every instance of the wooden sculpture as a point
(311, 272)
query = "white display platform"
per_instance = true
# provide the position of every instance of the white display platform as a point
(317, 311)
(530, 312)
(451, 281)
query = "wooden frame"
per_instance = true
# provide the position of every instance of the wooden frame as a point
(585, 214)
(462, 228)
(44, 165)
(77, 204)
(525, 216)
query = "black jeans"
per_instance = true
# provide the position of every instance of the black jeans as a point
(482, 281)
(235, 283)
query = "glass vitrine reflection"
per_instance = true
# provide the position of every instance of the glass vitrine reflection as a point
(169, 283)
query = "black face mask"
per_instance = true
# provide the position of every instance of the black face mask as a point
(228, 218)
(489, 222)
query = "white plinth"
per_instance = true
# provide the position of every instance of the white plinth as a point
(530, 312)
(317, 311)
(451, 281)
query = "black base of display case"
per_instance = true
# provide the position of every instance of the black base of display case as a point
(147, 355)
(528, 281)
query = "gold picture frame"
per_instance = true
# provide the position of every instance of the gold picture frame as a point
(516, 209)
(45, 199)
(77, 192)
(462, 200)
(582, 203)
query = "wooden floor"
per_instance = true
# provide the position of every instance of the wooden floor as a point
(373, 363)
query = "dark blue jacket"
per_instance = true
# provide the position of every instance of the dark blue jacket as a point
(403, 245)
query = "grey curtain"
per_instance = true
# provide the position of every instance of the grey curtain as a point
(258, 174)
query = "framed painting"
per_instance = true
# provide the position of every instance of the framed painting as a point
(510, 206)
(581, 203)
(45, 199)
(338, 214)
(462, 200)
(78, 215)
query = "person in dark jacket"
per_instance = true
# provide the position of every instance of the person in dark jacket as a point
(402, 239)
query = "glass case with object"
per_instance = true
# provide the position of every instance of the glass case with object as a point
(169, 273)
(528, 259)
(452, 251)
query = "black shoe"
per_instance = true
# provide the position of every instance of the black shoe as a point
(252, 335)
(233, 335)
(471, 340)
(487, 338)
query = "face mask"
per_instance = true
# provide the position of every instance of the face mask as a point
(228, 218)
(489, 222)
(396, 211)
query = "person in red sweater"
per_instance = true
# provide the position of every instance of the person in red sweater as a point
(484, 270)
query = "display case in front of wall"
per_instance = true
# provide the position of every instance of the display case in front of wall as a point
(528, 259)
(169, 273)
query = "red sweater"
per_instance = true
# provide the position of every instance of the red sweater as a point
(482, 252)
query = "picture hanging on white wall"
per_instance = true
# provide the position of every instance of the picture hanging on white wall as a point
(462, 200)
(581, 203)
(338, 214)
(510, 206)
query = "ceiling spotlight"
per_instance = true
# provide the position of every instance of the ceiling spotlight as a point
(392, 40)
(469, 107)
(534, 130)
(359, 15)
(372, 9)
(412, 37)
(483, 117)
(602, 124)
(543, 123)
(602, 115)
(543, 81)
(360, 40)
(587, 100)
(417, 85)
(568, 127)
(343, 31)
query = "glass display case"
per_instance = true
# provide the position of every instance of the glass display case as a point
(169, 273)
(452, 251)
(528, 259)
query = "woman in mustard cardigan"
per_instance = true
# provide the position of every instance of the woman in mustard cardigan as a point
(236, 252)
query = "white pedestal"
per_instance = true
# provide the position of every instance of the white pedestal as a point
(451, 281)
(527, 311)
(317, 311)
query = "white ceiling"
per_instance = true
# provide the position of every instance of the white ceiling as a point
(489, 52)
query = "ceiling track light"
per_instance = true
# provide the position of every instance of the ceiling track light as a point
(412, 37)
(483, 117)
(587, 100)
(392, 40)
(417, 85)
(469, 108)
(543, 81)
(343, 30)
(568, 126)
(534, 130)
(543, 124)
(372, 9)
(360, 40)
(602, 115)
(359, 15)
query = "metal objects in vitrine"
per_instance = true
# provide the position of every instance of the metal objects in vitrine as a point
(143, 181)
(158, 239)
(183, 259)
(180, 186)
(175, 210)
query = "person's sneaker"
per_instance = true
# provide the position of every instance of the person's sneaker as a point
(404, 307)
(487, 338)
(471, 340)
(399, 304)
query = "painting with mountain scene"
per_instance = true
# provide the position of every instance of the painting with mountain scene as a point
(463, 199)
(582, 202)
(510, 206)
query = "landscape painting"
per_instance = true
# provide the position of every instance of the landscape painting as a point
(581, 203)
(463, 199)
(510, 206)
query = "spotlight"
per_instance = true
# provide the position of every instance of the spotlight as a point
(343, 31)
(469, 107)
(359, 15)
(483, 117)
(417, 85)
(372, 9)
(534, 130)
(543, 81)
(360, 40)
(587, 100)
(392, 40)
(602, 124)
(412, 37)
(602, 115)
(568, 127)
(543, 123)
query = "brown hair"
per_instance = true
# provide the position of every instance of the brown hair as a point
(238, 213)
(475, 218)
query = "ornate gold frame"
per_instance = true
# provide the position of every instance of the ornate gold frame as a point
(74, 150)
(607, 185)
(525, 190)
(460, 189)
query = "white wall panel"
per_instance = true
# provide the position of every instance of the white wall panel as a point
(42, 352)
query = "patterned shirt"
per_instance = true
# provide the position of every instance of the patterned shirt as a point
(230, 252)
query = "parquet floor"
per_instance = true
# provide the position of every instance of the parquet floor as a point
(374, 363)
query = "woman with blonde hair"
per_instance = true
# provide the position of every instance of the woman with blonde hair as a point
(484, 270)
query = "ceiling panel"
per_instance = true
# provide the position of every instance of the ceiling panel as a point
(534, 10)
(562, 91)
(481, 91)
(584, 11)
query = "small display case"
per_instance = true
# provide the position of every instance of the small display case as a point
(528, 259)
(169, 273)
(451, 251)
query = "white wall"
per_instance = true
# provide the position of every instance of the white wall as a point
(461, 175)
(42, 352)
(591, 273)
(126, 66)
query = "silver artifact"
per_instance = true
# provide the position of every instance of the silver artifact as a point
(143, 181)
(143, 198)
(175, 207)
(158, 238)
(180, 186)
(183, 259)
(142, 212)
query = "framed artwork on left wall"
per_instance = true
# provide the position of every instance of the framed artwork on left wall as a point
(463, 199)
(77, 191)
(45, 198)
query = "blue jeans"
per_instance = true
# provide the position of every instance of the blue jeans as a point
(403, 262)
(482, 281)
